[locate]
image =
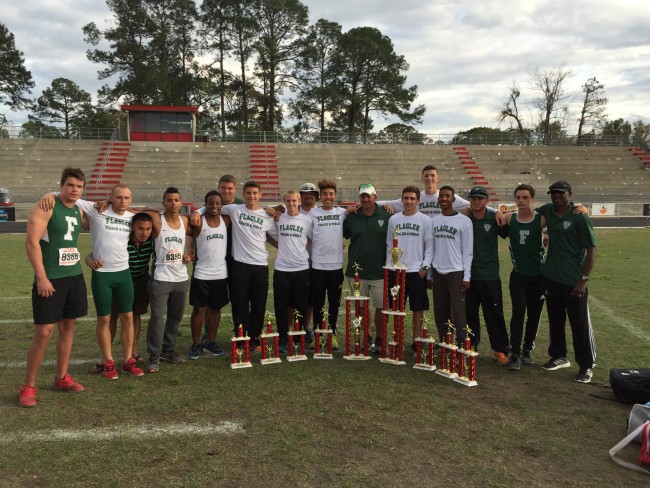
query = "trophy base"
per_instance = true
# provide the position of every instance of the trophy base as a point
(270, 361)
(394, 362)
(426, 367)
(392, 312)
(355, 357)
(466, 381)
(241, 365)
(299, 357)
(446, 373)
(323, 355)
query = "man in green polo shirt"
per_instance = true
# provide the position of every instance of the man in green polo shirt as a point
(366, 230)
(570, 259)
(485, 291)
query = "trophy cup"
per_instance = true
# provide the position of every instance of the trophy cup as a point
(240, 348)
(427, 342)
(270, 343)
(360, 316)
(395, 252)
(448, 354)
(323, 339)
(296, 351)
(467, 362)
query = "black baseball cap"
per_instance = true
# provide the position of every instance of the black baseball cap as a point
(479, 191)
(559, 186)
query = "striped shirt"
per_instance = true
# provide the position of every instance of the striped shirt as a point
(139, 258)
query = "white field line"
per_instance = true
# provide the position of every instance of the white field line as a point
(48, 362)
(133, 432)
(630, 328)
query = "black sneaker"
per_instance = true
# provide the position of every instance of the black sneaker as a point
(283, 346)
(172, 357)
(514, 364)
(527, 358)
(153, 364)
(212, 348)
(377, 346)
(556, 363)
(584, 375)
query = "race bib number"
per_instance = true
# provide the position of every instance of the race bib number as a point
(68, 256)
(173, 256)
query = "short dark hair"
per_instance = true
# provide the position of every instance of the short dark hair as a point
(525, 186)
(411, 189)
(170, 189)
(73, 173)
(429, 167)
(447, 187)
(212, 193)
(252, 184)
(227, 179)
(141, 217)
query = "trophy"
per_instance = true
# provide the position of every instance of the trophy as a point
(395, 252)
(448, 354)
(296, 351)
(398, 295)
(270, 343)
(240, 348)
(323, 339)
(424, 359)
(467, 361)
(360, 317)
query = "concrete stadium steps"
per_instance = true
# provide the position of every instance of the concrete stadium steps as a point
(32, 167)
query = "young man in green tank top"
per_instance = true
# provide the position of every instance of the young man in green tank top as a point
(59, 290)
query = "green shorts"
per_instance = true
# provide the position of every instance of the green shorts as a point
(112, 287)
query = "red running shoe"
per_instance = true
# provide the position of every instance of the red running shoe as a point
(67, 384)
(110, 373)
(27, 396)
(131, 367)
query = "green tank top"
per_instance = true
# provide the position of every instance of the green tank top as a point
(526, 248)
(61, 256)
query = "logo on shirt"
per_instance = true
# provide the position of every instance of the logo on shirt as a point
(381, 223)
(487, 227)
(566, 225)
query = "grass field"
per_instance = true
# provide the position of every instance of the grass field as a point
(326, 423)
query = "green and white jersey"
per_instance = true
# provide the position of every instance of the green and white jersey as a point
(414, 237)
(569, 237)
(59, 244)
(109, 233)
(485, 263)
(526, 245)
(293, 234)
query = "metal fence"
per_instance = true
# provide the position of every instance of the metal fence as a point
(316, 137)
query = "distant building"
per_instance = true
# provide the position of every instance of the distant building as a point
(160, 123)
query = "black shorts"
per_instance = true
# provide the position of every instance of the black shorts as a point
(212, 293)
(416, 291)
(140, 296)
(69, 301)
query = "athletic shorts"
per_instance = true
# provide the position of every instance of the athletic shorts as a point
(370, 288)
(112, 287)
(140, 296)
(416, 291)
(69, 301)
(212, 293)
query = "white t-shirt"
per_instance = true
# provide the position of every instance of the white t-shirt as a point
(249, 229)
(327, 238)
(110, 236)
(415, 238)
(211, 246)
(293, 234)
(428, 204)
(453, 243)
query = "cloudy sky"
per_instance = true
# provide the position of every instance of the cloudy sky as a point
(463, 54)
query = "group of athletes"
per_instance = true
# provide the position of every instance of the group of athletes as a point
(449, 244)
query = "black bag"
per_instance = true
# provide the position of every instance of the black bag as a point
(630, 385)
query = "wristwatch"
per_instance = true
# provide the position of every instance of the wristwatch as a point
(424, 268)
(584, 278)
